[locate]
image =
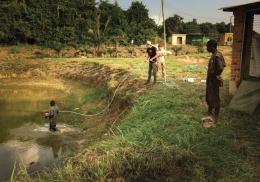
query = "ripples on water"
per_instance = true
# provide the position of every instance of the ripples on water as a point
(25, 138)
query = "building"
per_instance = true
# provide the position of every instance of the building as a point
(177, 39)
(244, 83)
(226, 39)
(199, 39)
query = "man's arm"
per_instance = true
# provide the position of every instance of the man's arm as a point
(157, 55)
(148, 57)
(219, 68)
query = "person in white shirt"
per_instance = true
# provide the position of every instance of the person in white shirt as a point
(160, 61)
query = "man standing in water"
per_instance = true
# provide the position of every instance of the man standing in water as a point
(152, 55)
(52, 116)
(215, 67)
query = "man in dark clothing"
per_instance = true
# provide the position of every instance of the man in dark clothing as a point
(52, 115)
(215, 67)
(152, 54)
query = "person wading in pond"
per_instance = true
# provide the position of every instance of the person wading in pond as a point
(214, 81)
(52, 116)
(152, 55)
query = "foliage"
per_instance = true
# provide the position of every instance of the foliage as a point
(173, 25)
(14, 50)
(140, 27)
(110, 51)
(88, 23)
(221, 27)
(176, 49)
(87, 49)
(191, 27)
(99, 36)
(57, 46)
(71, 22)
(208, 28)
(200, 48)
(131, 50)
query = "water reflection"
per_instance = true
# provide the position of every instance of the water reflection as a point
(53, 141)
(25, 138)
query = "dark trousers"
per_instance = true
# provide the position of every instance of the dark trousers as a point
(212, 92)
(52, 127)
(152, 68)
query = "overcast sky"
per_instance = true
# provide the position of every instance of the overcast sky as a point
(202, 10)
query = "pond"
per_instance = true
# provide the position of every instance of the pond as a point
(25, 139)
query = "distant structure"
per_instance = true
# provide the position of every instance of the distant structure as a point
(177, 39)
(199, 39)
(226, 39)
(195, 39)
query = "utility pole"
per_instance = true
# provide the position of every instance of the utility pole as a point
(164, 35)
(229, 38)
(164, 32)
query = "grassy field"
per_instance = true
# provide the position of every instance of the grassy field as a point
(161, 138)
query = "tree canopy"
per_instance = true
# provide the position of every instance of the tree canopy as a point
(54, 23)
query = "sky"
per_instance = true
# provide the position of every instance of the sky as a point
(202, 10)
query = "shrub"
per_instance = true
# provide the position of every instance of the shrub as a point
(131, 50)
(14, 50)
(177, 49)
(200, 49)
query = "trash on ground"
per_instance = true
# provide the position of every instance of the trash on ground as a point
(188, 79)
(208, 122)
(196, 67)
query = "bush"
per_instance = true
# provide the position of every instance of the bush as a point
(200, 49)
(131, 50)
(57, 46)
(14, 50)
(177, 49)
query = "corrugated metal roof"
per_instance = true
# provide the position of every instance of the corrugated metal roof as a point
(255, 4)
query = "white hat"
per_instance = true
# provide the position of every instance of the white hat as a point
(149, 42)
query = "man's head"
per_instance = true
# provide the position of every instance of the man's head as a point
(148, 44)
(52, 103)
(211, 45)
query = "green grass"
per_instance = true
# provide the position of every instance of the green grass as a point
(162, 139)
(95, 96)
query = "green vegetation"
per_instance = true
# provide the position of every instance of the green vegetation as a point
(176, 49)
(79, 23)
(161, 138)
(75, 23)
(95, 96)
(14, 50)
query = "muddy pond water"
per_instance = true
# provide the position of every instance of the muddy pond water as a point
(25, 139)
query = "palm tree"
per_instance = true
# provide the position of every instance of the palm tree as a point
(98, 37)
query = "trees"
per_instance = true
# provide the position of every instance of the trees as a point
(174, 25)
(117, 25)
(208, 28)
(221, 28)
(99, 35)
(140, 27)
(74, 22)
(191, 27)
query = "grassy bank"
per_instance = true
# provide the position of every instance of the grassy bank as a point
(161, 138)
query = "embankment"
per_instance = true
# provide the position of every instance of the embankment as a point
(118, 86)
